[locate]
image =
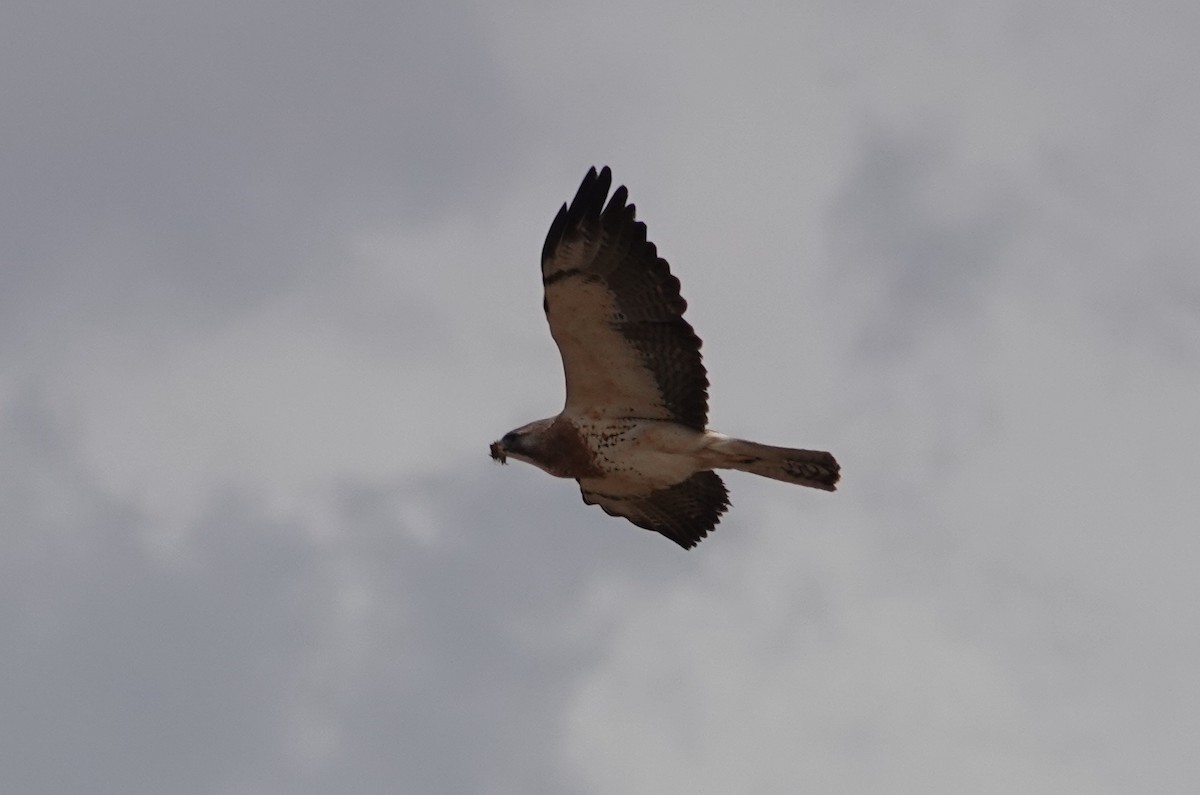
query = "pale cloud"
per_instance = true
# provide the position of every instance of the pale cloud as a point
(269, 287)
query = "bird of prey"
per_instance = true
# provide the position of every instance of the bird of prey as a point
(633, 430)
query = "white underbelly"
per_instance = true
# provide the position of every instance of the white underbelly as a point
(646, 453)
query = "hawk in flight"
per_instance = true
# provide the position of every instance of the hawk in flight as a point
(632, 432)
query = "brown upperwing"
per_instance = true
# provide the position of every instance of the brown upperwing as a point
(616, 314)
(617, 317)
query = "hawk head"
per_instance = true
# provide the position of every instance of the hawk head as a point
(551, 446)
(522, 443)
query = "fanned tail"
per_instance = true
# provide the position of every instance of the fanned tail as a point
(813, 468)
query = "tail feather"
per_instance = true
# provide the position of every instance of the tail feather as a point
(813, 468)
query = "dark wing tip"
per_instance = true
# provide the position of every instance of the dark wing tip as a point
(588, 202)
(589, 199)
(684, 513)
(557, 227)
(617, 202)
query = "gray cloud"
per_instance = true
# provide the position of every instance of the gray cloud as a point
(128, 674)
(209, 157)
(267, 658)
(920, 238)
(268, 288)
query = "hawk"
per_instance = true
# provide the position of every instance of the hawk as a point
(633, 431)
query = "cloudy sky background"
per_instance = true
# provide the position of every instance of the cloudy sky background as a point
(268, 288)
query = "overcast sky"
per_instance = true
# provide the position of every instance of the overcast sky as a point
(269, 287)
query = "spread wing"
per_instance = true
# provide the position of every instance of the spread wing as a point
(616, 314)
(683, 513)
